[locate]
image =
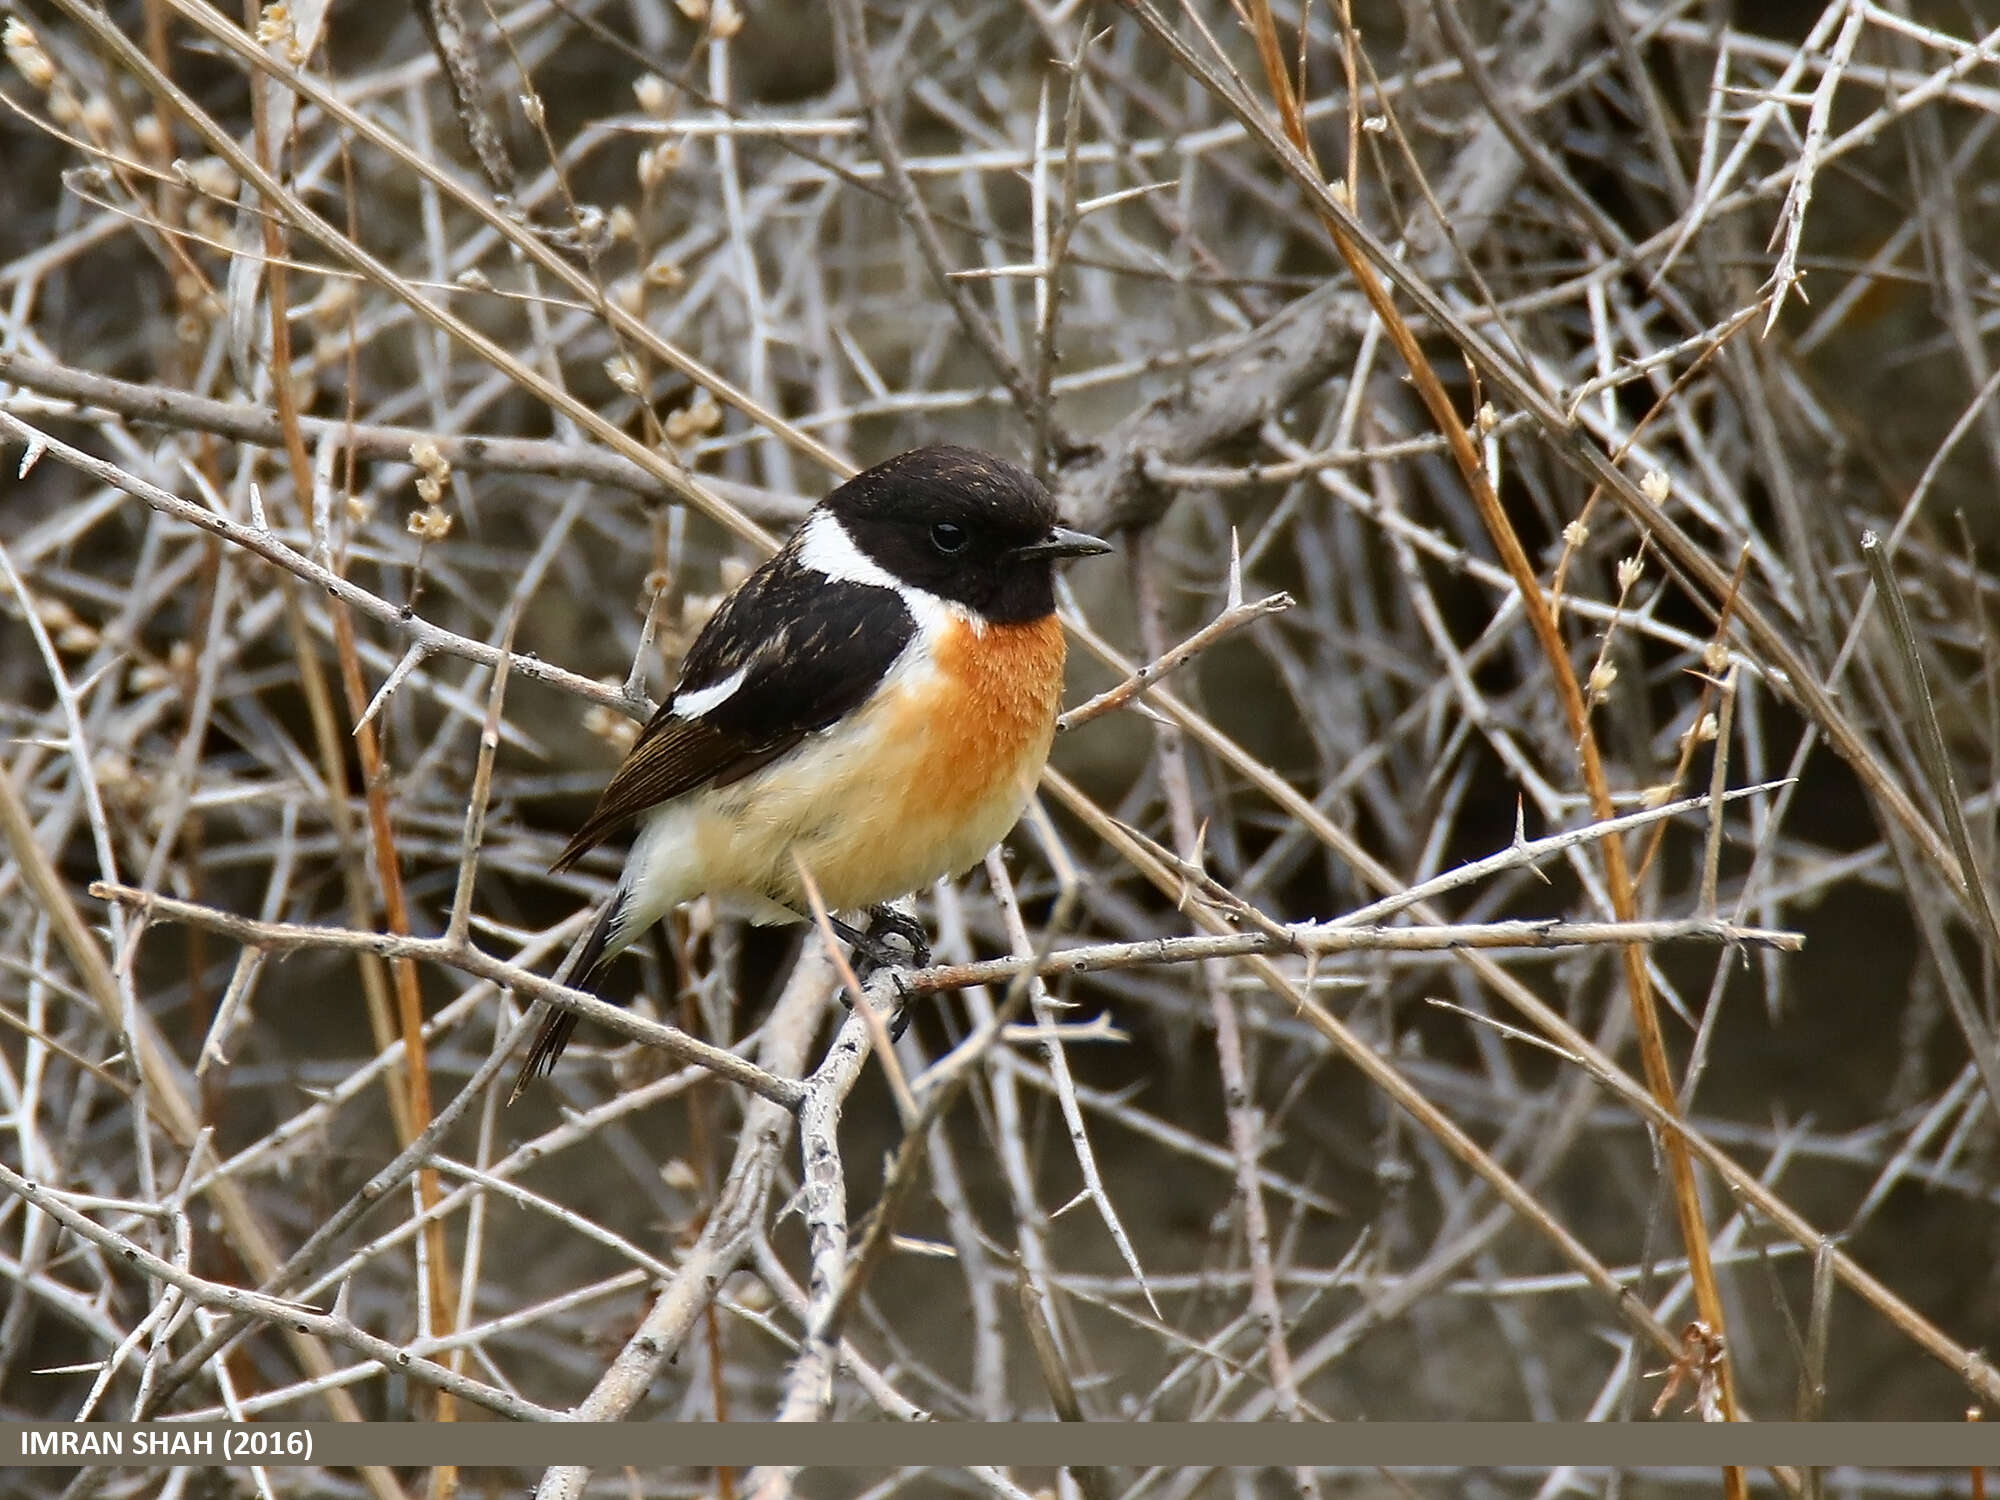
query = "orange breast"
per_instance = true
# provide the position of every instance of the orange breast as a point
(927, 778)
(954, 757)
(998, 690)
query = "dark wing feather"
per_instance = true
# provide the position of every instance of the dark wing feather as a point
(671, 756)
(811, 649)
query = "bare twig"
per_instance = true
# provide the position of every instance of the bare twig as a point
(1313, 967)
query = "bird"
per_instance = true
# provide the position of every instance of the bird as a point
(874, 703)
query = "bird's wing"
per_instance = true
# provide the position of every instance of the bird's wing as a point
(788, 653)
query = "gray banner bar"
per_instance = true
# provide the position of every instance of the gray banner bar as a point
(888, 1445)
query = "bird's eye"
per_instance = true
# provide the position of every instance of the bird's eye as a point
(947, 537)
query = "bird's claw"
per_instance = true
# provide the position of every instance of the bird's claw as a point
(895, 941)
(887, 926)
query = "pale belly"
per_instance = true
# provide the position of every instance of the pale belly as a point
(869, 823)
(916, 786)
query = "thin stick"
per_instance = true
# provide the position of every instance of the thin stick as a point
(467, 453)
(286, 936)
(296, 1317)
(482, 790)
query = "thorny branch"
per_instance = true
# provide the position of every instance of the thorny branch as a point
(1323, 917)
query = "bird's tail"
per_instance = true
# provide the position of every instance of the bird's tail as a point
(555, 1033)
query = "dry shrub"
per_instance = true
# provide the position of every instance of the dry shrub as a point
(344, 364)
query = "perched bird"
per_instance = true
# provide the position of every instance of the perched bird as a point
(875, 702)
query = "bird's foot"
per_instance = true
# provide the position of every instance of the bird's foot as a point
(886, 927)
(894, 941)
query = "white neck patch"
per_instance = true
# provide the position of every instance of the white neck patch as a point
(825, 547)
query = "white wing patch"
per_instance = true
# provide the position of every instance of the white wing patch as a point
(699, 702)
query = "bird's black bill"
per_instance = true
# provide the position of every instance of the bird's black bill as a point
(1062, 542)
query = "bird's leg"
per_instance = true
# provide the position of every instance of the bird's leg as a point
(872, 954)
(876, 949)
(869, 949)
(887, 921)
(888, 927)
(865, 948)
